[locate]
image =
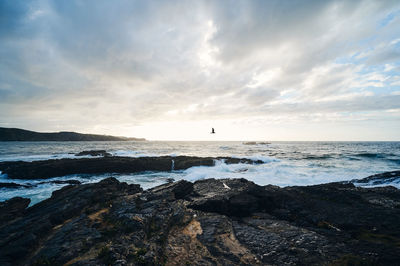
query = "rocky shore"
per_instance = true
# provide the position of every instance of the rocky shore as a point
(108, 164)
(209, 222)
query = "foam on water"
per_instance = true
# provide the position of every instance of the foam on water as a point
(393, 183)
(284, 163)
(275, 172)
(263, 158)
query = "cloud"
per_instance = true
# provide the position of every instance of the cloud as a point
(136, 62)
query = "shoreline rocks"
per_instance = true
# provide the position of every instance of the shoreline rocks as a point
(12, 208)
(14, 185)
(114, 164)
(103, 153)
(208, 222)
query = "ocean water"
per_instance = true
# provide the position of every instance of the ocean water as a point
(285, 163)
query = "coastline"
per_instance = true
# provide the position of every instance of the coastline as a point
(212, 221)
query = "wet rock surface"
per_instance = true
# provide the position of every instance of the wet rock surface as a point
(209, 222)
(14, 185)
(70, 182)
(379, 179)
(12, 208)
(28, 185)
(94, 153)
(115, 164)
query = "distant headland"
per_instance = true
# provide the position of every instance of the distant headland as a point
(17, 134)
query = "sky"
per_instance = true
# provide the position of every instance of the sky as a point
(171, 70)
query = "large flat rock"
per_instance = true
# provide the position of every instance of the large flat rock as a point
(115, 164)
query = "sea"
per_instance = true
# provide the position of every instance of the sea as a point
(284, 163)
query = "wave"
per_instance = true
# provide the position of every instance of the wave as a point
(379, 180)
(395, 158)
(318, 157)
(370, 155)
(263, 158)
(219, 170)
(276, 172)
(129, 153)
(394, 182)
(226, 148)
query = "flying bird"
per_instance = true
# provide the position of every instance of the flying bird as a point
(212, 131)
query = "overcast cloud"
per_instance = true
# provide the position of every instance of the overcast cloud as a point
(127, 67)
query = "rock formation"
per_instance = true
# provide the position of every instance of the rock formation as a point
(209, 222)
(115, 164)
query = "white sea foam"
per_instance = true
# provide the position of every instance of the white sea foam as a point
(276, 173)
(394, 183)
(284, 164)
(127, 153)
(263, 158)
(138, 154)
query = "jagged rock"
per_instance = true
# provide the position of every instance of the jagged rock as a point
(69, 205)
(209, 222)
(12, 208)
(62, 167)
(103, 153)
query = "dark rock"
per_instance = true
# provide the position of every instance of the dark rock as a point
(180, 189)
(170, 180)
(256, 143)
(12, 208)
(62, 167)
(70, 182)
(209, 222)
(94, 153)
(250, 143)
(234, 197)
(14, 185)
(70, 206)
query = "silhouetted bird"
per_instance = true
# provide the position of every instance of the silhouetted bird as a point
(212, 131)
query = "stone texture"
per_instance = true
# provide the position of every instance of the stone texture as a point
(209, 222)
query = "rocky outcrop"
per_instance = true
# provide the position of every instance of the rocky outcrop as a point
(59, 182)
(62, 167)
(58, 225)
(103, 153)
(209, 222)
(13, 185)
(12, 208)
(256, 143)
(28, 185)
